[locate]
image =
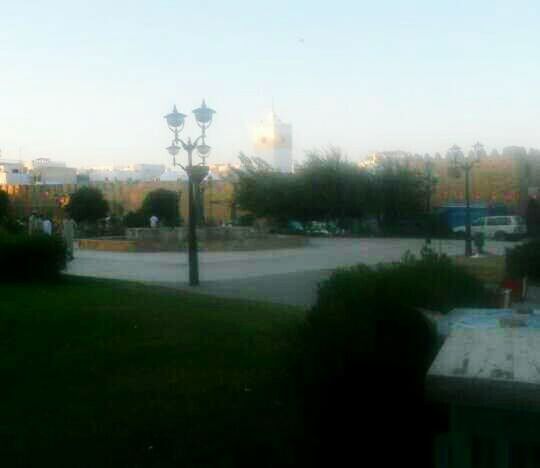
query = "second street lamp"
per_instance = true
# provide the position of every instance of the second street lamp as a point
(195, 172)
(458, 164)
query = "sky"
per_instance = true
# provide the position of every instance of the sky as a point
(88, 82)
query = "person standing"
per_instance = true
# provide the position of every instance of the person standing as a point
(47, 227)
(68, 233)
(154, 220)
(33, 224)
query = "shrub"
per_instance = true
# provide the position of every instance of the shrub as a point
(135, 219)
(524, 260)
(362, 373)
(366, 352)
(27, 258)
(247, 220)
(5, 206)
(432, 282)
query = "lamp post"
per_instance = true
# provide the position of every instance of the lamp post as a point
(458, 164)
(195, 172)
(430, 182)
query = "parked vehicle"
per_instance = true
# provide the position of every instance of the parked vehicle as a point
(497, 227)
(291, 227)
(317, 229)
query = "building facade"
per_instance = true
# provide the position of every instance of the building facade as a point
(47, 172)
(14, 173)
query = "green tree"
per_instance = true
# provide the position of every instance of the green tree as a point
(262, 191)
(331, 188)
(326, 187)
(87, 205)
(400, 193)
(5, 207)
(163, 204)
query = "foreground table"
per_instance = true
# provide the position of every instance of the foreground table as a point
(491, 380)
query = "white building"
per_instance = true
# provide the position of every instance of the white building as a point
(272, 140)
(43, 171)
(172, 175)
(130, 173)
(14, 173)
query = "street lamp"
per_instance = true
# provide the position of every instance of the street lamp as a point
(458, 164)
(195, 172)
(430, 182)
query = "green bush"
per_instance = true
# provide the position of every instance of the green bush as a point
(28, 258)
(246, 220)
(524, 260)
(366, 352)
(432, 282)
(136, 219)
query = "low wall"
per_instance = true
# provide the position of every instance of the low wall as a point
(180, 234)
(268, 242)
(109, 245)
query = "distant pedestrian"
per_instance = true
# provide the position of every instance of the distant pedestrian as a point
(68, 233)
(33, 224)
(154, 220)
(47, 227)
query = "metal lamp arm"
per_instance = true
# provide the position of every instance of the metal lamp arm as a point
(178, 164)
(199, 138)
(177, 130)
(204, 126)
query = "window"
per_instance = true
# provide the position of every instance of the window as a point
(501, 221)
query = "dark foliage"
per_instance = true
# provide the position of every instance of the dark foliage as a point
(135, 219)
(327, 187)
(532, 217)
(87, 205)
(8, 223)
(524, 260)
(246, 220)
(367, 350)
(28, 258)
(5, 206)
(163, 204)
(433, 282)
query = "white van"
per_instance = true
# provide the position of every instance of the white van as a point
(497, 227)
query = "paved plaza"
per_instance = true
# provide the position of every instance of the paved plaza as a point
(288, 276)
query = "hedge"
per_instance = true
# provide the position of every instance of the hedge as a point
(524, 260)
(28, 258)
(367, 349)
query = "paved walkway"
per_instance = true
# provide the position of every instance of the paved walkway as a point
(288, 276)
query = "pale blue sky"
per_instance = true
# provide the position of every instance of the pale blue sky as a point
(88, 82)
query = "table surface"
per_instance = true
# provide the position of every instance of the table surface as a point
(491, 366)
(483, 319)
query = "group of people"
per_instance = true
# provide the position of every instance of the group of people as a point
(38, 224)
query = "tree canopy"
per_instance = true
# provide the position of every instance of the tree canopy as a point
(329, 187)
(163, 204)
(87, 204)
(4, 206)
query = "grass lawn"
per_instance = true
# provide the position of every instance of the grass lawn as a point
(102, 373)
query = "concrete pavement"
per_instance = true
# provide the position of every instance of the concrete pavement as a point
(288, 276)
